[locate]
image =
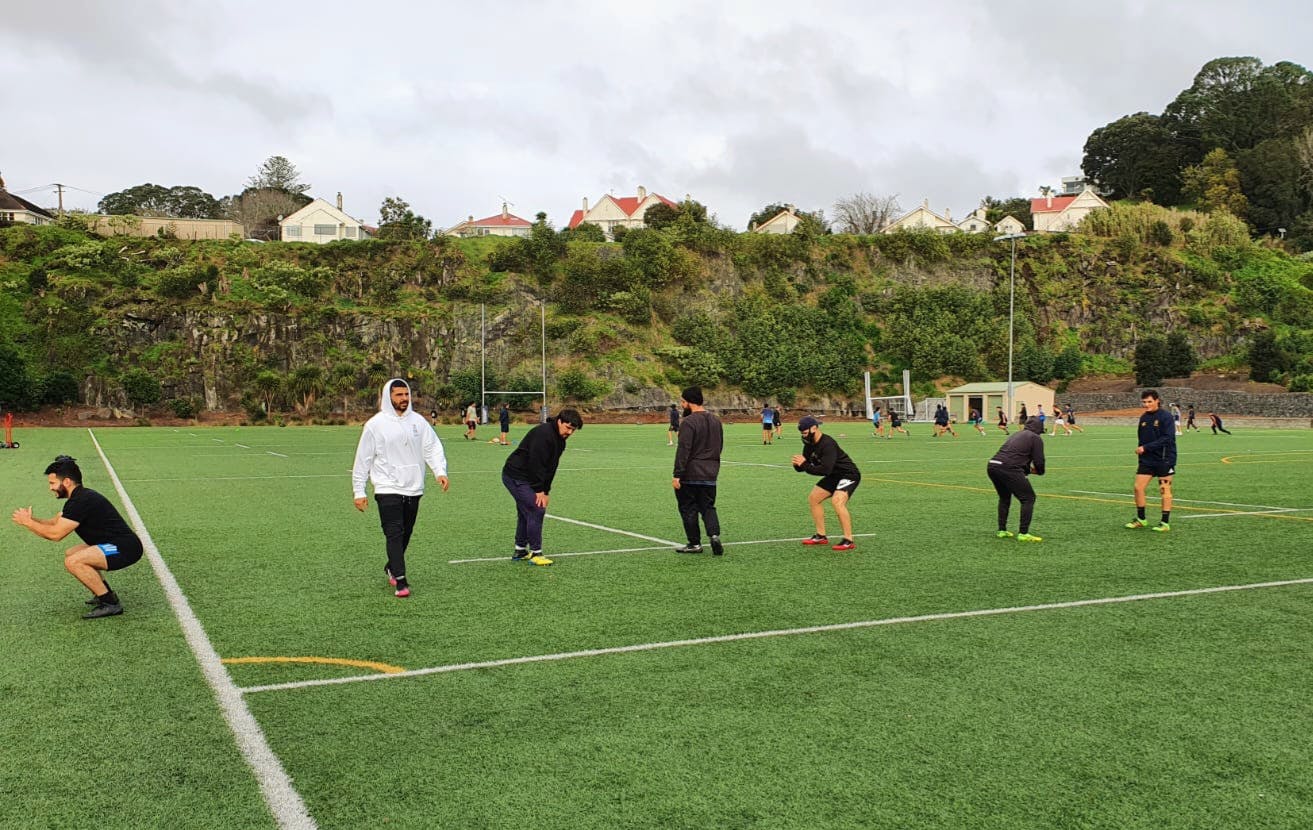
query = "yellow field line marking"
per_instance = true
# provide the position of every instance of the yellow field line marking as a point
(383, 668)
(1227, 459)
(1175, 507)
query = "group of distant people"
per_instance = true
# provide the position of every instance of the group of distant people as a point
(396, 444)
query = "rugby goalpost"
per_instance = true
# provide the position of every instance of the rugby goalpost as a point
(484, 391)
(902, 404)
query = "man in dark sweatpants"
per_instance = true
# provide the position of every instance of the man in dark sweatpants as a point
(527, 476)
(697, 464)
(1020, 455)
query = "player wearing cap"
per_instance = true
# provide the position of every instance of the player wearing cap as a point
(821, 456)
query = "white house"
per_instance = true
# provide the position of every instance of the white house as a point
(503, 224)
(783, 222)
(1009, 225)
(923, 218)
(17, 209)
(611, 212)
(1062, 213)
(321, 222)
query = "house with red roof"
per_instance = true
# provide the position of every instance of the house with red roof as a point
(611, 212)
(501, 224)
(1062, 213)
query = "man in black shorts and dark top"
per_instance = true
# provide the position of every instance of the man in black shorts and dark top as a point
(1157, 452)
(821, 456)
(1021, 454)
(697, 466)
(108, 544)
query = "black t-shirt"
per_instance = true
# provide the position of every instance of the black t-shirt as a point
(98, 520)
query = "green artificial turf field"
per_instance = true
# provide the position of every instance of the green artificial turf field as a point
(1180, 711)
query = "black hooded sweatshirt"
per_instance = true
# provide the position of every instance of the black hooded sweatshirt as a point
(535, 459)
(1023, 449)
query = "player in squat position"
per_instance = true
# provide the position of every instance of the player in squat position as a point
(821, 456)
(108, 544)
(1157, 452)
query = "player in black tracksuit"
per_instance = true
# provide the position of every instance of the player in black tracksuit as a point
(1157, 452)
(1021, 454)
(821, 456)
(528, 474)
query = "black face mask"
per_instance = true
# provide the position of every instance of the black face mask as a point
(687, 411)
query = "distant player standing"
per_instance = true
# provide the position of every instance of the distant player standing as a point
(108, 544)
(777, 420)
(394, 447)
(1157, 452)
(1002, 421)
(504, 423)
(767, 424)
(1189, 419)
(672, 416)
(821, 456)
(1020, 455)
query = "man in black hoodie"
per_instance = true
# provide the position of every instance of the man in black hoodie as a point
(697, 464)
(528, 474)
(1020, 455)
(821, 456)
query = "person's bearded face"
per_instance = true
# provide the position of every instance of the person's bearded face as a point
(57, 487)
(401, 399)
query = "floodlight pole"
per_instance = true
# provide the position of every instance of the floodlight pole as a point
(1012, 293)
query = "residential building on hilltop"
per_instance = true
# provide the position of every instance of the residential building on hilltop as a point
(1062, 213)
(502, 224)
(17, 209)
(611, 212)
(923, 218)
(783, 222)
(321, 222)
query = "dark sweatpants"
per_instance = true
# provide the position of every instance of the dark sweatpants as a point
(528, 515)
(397, 514)
(697, 500)
(1009, 483)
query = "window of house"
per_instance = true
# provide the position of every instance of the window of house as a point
(325, 230)
(350, 233)
(293, 231)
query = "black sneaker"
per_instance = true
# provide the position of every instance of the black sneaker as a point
(689, 549)
(717, 549)
(520, 554)
(110, 609)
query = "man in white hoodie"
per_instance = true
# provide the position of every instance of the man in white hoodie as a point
(394, 447)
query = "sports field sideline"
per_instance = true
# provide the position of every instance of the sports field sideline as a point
(934, 677)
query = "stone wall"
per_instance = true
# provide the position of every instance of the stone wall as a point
(1224, 403)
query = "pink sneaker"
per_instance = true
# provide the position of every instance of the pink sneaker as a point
(391, 580)
(403, 591)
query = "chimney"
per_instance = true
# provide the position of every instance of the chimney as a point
(585, 204)
(642, 193)
(925, 203)
(948, 214)
(1048, 199)
(339, 200)
(471, 219)
(505, 213)
(790, 209)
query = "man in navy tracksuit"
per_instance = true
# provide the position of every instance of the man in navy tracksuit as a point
(528, 474)
(1157, 452)
(1021, 454)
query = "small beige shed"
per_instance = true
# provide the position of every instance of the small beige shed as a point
(988, 397)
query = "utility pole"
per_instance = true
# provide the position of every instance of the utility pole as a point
(60, 187)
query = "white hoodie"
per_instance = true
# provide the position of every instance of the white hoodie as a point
(393, 450)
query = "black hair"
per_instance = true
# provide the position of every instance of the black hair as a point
(571, 417)
(65, 466)
(1150, 393)
(398, 383)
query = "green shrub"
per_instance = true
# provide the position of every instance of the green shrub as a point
(185, 407)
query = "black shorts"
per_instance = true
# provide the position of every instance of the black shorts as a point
(121, 554)
(1156, 468)
(833, 484)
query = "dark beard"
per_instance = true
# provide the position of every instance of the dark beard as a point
(687, 411)
(61, 493)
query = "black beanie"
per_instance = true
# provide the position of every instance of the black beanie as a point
(693, 395)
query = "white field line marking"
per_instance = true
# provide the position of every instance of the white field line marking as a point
(243, 446)
(289, 811)
(1246, 513)
(758, 635)
(1193, 501)
(217, 440)
(237, 478)
(271, 452)
(656, 539)
(794, 539)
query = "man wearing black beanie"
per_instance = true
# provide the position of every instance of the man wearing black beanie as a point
(697, 464)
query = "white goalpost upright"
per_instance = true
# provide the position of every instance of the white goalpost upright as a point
(483, 364)
(902, 404)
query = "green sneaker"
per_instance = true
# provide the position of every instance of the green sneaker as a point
(1136, 525)
(1029, 537)
(1004, 534)
(1161, 527)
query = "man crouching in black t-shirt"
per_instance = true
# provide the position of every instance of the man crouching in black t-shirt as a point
(108, 543)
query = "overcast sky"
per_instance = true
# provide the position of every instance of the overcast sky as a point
(457, 106)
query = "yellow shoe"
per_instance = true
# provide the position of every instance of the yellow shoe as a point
(539, 559)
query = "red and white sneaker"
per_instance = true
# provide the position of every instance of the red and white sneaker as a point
(391, 579)
(817, 539)
(844, 544)
(403, 590)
